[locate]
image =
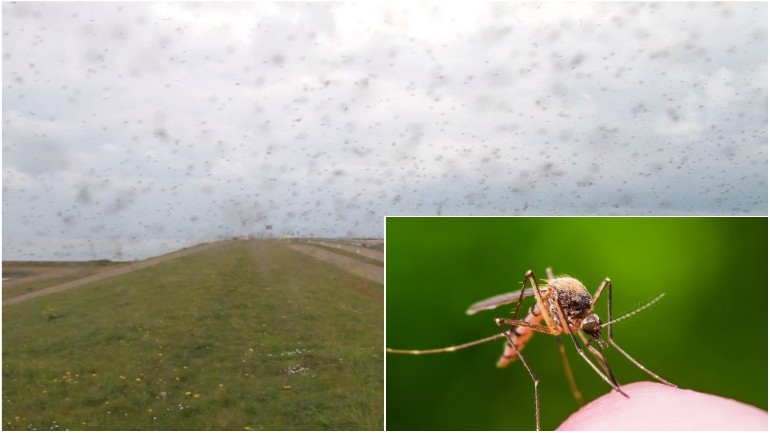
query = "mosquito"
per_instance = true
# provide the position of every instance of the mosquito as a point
(570, 310)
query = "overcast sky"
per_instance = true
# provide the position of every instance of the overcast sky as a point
(135, 123)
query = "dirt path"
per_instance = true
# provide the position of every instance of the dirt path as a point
(108, 273)
(358, 267)
(24, 273)
(368, 252)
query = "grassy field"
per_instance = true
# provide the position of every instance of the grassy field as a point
(248, 335)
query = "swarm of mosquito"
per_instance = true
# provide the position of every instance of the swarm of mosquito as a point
(570, 310)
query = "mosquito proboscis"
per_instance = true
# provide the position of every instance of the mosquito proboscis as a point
(566, 302)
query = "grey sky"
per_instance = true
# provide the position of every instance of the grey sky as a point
(179, 122)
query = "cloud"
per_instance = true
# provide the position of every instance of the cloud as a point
(206, 120)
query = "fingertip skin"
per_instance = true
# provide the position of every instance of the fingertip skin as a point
(654, 406)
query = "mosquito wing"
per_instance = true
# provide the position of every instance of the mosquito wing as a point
(496, 301)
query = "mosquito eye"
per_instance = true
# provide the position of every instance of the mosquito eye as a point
(592, 325)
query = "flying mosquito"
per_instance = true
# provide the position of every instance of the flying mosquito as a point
(567, 302)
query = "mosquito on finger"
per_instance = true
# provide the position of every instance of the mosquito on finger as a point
(570, 310)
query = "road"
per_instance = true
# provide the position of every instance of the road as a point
(360, 268)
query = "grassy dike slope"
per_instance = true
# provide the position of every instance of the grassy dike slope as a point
(246, 335)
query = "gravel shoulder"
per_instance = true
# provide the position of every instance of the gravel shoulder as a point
(376, 254)
(363, 269)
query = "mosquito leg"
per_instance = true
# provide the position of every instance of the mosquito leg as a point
(602, 361)
(533, 326)
(570, 378)
(609, 333)
(605, 283)
(587, 344)
(535, 380)
(529, 276)
(612, 383)
(598, 356)
(539, 296)
(550, 329)
(641, 367)
(445, 349)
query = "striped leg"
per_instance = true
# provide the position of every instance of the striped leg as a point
(608, 284)
(535, 380)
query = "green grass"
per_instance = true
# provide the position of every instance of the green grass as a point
(71, 270)
(250, 335)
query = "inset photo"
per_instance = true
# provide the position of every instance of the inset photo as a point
(514, 323)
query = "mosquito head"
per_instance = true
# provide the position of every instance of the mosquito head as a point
(592, 325)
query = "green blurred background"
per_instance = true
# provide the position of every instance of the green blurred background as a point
(709, 333)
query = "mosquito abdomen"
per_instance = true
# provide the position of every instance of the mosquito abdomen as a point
(520, 336)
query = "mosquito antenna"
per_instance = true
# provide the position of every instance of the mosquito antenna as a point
(445, 349)
(643, 307)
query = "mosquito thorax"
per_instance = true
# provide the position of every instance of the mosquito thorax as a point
(574, 299)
